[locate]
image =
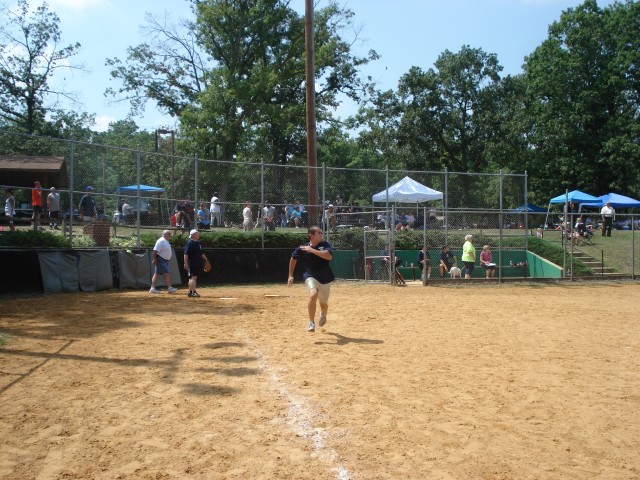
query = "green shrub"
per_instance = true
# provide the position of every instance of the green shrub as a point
(555, 254)
(32, 239)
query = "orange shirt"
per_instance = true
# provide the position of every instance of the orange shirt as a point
(36, 198)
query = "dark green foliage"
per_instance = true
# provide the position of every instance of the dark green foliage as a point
(29, 239)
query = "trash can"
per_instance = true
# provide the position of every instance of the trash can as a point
(99, 231)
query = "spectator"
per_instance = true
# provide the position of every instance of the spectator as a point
(203, 217)
(161, 255)
(53, 208)
(296, 217)
(447, 260)
(216, 211)
(608, 216)
(268, 214)
(247, 218)
(486, 261)
(184, 212)
(468, 256)
(424, 262)
(330, 218)
(433, 213)
(410, 220)
(87, 206)
(127, 213)
(36, 204)
(10, 207)
(582, 229)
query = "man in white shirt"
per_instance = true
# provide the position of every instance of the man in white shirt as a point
(161, 255)
(608, 215)
(214, 208)
(53, 207)
(247, 218)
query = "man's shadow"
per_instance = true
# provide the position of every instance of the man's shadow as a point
(342, 340)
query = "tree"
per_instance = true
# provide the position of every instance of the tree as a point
(582, 86)
(30, 55)
(234, 76)
(439, 118)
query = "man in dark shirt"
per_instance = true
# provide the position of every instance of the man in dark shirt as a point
(447, 260)
(315, 256)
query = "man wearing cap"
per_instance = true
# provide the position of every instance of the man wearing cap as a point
(87, 206)
(194, 260)
(53, 207)
(161, 256)
(608, 215)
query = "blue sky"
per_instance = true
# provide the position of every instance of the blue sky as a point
(404, 32)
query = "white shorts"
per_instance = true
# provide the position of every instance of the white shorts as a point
(323, 289)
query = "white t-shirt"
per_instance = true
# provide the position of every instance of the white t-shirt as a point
(215, 206)
(163, 247)
(607, 211)
(246, 213)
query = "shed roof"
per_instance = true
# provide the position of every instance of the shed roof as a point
(21, 163)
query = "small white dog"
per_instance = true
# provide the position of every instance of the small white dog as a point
(455, 272)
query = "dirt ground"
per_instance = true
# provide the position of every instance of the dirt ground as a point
(460, 382)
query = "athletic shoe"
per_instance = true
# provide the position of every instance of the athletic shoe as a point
(190, 294)
(154, 290)
(312, 327)
(323, 320)
(172, 289)
(195, 294)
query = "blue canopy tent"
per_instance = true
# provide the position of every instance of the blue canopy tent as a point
(143, 202)
(529, 207)
(617, 201)
(143, 189)
(575, 196)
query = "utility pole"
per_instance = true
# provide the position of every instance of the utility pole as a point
(173, 142)
(312, 155)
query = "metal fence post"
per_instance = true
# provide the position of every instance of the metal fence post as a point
(71, 163)
(138, 202)
(500, 227)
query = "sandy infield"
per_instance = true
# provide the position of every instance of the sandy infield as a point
(473, 382)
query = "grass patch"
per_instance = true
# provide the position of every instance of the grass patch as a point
(4, 338)
(616, 250)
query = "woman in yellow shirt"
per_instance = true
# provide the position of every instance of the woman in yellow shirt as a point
(468, 256)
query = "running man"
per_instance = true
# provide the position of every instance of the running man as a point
(315, 256)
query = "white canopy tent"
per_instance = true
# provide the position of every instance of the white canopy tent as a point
(407, 190)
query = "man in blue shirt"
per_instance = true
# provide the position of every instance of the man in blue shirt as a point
(315, 256)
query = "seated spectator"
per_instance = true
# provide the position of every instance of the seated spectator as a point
(204, 217)
(184, 215)
(447, 260)
(289, 209)
(296, 217)
(486, 261)
(410, 220)
(582, 229)
(424, 262)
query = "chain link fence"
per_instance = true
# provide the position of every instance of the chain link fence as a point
(136, 190)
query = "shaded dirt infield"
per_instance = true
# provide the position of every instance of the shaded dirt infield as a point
(473, 382)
